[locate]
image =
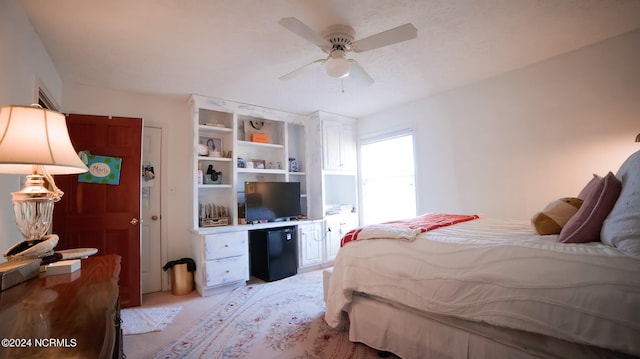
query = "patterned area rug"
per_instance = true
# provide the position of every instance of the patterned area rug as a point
(145, 320)
(281, 319)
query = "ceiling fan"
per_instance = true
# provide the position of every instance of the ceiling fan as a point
(337, 41)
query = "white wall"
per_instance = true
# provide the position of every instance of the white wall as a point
(23, 61)
(507, 146)
(171, 114)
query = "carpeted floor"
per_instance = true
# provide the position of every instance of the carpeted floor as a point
(281, 319)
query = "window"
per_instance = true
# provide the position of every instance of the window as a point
(388, 178)
(44, 101)
(43, 97)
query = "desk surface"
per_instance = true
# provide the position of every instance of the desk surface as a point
(62, 316)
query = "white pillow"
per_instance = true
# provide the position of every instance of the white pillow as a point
(621, 229)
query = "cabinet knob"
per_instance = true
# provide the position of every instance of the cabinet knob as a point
(134, 221)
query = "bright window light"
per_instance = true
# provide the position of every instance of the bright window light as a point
(388, 179)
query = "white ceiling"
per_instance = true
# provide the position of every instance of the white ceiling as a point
(236, 50)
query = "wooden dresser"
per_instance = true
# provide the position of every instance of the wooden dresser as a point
(73, 315)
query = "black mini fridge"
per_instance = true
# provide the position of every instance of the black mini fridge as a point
(273, 253)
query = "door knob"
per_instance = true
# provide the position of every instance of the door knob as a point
(134, 221)
(154, 218)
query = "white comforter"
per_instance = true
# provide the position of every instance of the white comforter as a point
(502, 273)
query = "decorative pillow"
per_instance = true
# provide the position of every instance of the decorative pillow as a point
(595, 181)
(600, 195)
(555, 215)
(621, 229)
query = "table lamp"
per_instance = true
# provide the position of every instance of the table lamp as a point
(35, 142)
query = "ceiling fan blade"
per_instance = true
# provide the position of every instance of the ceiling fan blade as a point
(359, 75)
(298, 27)
(397, 34)
(302, 69)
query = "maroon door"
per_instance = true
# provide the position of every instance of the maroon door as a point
(105, 216)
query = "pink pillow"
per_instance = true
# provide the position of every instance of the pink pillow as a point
(599, 196)
(595, 182)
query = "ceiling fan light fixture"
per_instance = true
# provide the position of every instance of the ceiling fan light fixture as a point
(337, 40)
(337, 65)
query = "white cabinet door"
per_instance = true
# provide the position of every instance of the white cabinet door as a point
(336, 227)
(331, 145)
(347, 148)
(338, 146)
(310, 244)
(334, 235)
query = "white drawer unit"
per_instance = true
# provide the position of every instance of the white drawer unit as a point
(227, 270)
(222, 245)
(222, 260)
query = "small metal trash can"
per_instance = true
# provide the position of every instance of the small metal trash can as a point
(181, 275)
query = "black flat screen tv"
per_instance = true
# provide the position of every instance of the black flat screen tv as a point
(271, 201)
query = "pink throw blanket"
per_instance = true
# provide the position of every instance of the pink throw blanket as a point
(406, 229)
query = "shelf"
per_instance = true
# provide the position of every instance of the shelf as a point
(260, 170)
(215, 186)
(286, 139)
(205, 128)
(259, 144)
(217, 159)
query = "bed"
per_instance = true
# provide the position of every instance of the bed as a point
(489, 288)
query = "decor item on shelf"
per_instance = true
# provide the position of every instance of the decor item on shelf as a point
(35, 142)
(277, 165)
(259, 137)
(214, 124)
(203, 150)
(293, 165)
(213, 146)
(256, 127)
(240, 162)
(212, 176)
(200, 177)
(259, 164)
(212, 215)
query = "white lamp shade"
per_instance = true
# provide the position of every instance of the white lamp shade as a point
(337, 65)
(31, 136)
